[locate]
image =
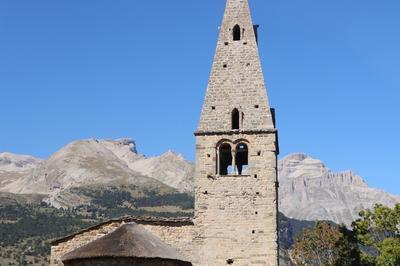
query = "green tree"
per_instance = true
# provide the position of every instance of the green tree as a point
(389, 252)
(349, 252)
(378, 231)
(326, 244)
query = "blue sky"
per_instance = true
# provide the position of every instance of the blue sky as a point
(108, 69)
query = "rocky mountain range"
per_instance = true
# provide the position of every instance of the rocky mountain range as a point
(89, 163)
(308, 189)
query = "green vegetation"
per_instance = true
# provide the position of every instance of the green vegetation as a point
(25, 231)
(326, 244)
(109, 197)
(28, 226)
(151, 199)
(378, 231)
(375, 240)
(112, 202)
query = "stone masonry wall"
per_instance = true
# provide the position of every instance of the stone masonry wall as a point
(59, 250)
(236, 79)
(236, 216)
(179, 237)
(126, 262)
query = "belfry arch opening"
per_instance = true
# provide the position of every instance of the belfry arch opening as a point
(225, 159)
(236, 33)
(242, 158)
(235, 119)
(233, 160)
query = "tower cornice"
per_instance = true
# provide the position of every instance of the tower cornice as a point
(235, 132)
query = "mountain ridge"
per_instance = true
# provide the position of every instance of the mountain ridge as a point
(321, 194)
(318, 192)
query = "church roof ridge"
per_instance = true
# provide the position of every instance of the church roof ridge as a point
(146, 220)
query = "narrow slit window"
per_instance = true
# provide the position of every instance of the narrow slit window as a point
(235, 119)
(236, 33)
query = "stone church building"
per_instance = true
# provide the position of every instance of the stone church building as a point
(236, 188)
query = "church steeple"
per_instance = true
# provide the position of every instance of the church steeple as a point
(236, 81)
(236, 153)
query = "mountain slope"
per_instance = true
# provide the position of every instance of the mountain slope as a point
(80, 163)
(14, 167)
(95, 163)
(310, 191)
(170, 168)
(10, 162)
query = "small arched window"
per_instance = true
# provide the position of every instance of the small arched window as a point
(242, 158)
(236, 33)
(225, 159)
(235, 119)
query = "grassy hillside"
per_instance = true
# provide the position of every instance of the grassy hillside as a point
(27, 224)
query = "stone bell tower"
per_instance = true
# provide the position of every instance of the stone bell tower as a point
(236, 153)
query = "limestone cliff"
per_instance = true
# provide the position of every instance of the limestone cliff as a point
(310, 191)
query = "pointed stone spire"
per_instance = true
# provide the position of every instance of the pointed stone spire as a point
(236, 153)
(236, 82)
